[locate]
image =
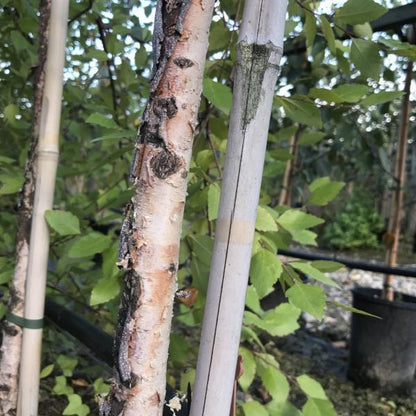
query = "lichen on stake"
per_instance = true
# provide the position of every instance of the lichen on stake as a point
(149, 243)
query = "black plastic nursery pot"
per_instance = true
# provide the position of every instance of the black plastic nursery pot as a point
(383, 351)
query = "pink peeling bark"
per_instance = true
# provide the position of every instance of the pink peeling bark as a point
(151, 231)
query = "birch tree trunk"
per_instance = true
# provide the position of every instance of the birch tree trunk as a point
(258, 54)
(149, 243)
(12, 332)
(46, 165)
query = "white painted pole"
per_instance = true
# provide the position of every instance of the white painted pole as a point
(259, 50)
(47, 161)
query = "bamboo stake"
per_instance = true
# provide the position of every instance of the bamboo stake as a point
(258, 54)
(12, 332)
(39, 240)
(400, 176)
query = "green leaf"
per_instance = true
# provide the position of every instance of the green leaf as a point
(328, 34)
(100, 386)
(324, 94)
(355, 310)
(253, 408)
(10, 184)
(318, 407)
(213, 201)
(10, 112)
(282, 409)
(265, 220)
(280, 321)
(125, 134)
(381, 97)
(309, 28)
(75, 406)
(351, 93)
(310, 271)
(89, 245)
(366, 58)
(202, 247)
(178, 349)
(265, 269)
(327, 266)
(67, 364)
(96, 54)
(218, 94)
(308, 298)
(46, 371)
(252, 300)
(102, 120)
(323, 190)
(249, 368)
(311, 387)
(274, 381)
(106, 289)
(61, 386)
(63, 222)
(309, 138)
(306, 237)
(363, 31)
(355, 12)
(301, 110)
(296, 220)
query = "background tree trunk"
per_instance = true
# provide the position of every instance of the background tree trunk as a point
(149, 243)
(396, 207)
(12, 333)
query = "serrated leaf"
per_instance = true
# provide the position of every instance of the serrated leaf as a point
(356, 12)
(327, 266)
(213, 201)
(265, 220)
(46, 371)
(202, 247)
(309, 28)
(106, 289)
(310, 271)
(75, 406)
(102, 120)
(318, 407)
(296, 220)
(310, 138)
(249, 368)
(282, 409)
(328, 34)
(265, 269)
(308, 298)
(311, 387)
(323, 191)
(324, 94)
(381, 97)
(218, 94)
(274, 381)
(63, 222)
(89, 245)
(301, 110)
(354, 310)
(253, 408)
(280, 321)
(305, 237)
(366, 58)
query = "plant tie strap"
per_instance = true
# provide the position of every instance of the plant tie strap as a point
(23, 322)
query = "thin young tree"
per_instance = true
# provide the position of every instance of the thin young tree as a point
(11, 329)
(259, 50)
(46, 165)
(149, 243)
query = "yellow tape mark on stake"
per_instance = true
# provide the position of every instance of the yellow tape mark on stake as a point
(241, 231)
